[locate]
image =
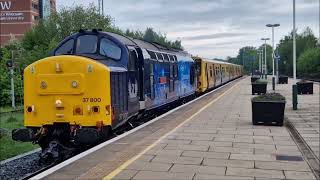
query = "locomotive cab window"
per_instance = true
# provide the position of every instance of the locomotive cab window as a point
(110, 49)
(65, 48)
(87, 44)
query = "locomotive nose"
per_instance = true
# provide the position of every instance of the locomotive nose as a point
(66, 89)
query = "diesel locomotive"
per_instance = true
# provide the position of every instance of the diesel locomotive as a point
(95, 81)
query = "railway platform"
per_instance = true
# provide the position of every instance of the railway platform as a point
(209, 138)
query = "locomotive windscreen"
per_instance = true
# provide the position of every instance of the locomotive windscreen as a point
(87, 44)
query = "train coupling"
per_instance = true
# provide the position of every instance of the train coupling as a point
(22, 134)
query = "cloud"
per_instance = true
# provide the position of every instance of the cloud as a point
(221, 25)
(214, 36)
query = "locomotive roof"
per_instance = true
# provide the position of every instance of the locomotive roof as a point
(218, 62)
(128, 41)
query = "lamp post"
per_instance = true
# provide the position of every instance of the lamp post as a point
(273, 68)
(243, 58)
(259, 54)
(265, 56)
(294, 86)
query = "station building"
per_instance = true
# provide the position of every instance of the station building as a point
(18, 16)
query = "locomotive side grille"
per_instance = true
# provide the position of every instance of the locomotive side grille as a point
(119, 92)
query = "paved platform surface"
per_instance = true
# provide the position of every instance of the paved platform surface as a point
(212, 138)
(306, 119)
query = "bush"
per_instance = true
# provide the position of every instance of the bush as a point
(261, 81)
(309, 64)
(269, 97)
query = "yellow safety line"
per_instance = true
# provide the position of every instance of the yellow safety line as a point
(128, 162)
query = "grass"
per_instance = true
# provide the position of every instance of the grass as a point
(6, 109)
(8, 147)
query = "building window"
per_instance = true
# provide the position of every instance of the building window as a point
(35, 18)
(35, 6)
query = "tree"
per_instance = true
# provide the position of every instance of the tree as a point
(44, 37)
(309, 64)
(304, 41)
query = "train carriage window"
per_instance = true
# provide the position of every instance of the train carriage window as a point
(66, 48)
(175, 70)
(152, 55)
(166, 57)
(110, 49)
(171, 71)
(175, 58)
(87, 44)
(171, 58)
(152, 81)
(159, 56)
(211, 71)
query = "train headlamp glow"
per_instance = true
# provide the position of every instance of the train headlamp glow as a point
(58, 103)
(74, 84)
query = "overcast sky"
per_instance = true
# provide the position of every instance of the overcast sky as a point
(211, 28)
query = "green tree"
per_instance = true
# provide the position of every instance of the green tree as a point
(44, 37)
(11, 51)
(304, 41)
(309, 64)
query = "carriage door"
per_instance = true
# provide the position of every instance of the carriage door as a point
(214, 74)
(221, 73)
(133, 81)
(207, 74)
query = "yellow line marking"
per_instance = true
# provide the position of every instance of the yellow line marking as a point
(128, 162)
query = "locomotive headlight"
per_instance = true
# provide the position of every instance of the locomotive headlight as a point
(74, 84)
(58, 103)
